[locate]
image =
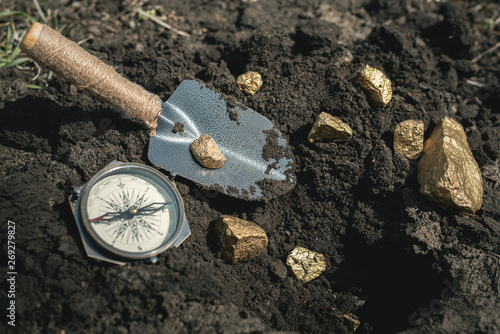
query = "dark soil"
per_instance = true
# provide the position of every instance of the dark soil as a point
(178, 127)
(395, 261)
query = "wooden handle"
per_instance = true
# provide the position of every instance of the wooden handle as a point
(72, 63)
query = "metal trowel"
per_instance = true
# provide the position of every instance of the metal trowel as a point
(259, 163)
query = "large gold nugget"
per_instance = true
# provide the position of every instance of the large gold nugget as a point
(306, 264)
(240, 240)
(329, 128)
(447, 172)
(409, 138)
(376, 85)
(207, 153)
(249, 82)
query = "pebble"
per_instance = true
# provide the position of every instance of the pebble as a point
(278, 269)
(207, 153)
(240, 240)
(343, 56)
(448, 173)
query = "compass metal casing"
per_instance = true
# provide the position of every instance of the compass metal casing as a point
(95, 246)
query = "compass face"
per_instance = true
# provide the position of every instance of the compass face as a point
(132, 210)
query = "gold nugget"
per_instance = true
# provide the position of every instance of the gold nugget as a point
(409, 138)
(240, 240)
(329, 128)
(207, 153)
(376, 85)
(448, 173)
(249, 82)
(306, 264)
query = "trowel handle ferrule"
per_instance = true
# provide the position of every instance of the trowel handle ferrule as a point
(69, 61)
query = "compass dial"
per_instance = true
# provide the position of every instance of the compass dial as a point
(132, 210)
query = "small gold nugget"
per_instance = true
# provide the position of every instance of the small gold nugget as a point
(249, 82)
(240, 240)
(329, 128)
(376, 85)
(207, 153)
(409, 138)
(306, 264)
(448, 173)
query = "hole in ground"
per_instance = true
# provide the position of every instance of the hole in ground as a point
(396, 285)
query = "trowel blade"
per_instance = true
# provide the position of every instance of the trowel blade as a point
(244, 136)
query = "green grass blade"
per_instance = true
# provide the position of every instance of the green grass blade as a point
(9, 38)
(56, 23)
(16, 62)
(92, 52)
(15, 53)
(66, 31)
(61, 28)
(7, 12)
(40, 11)
(31, 86)
(9, 34)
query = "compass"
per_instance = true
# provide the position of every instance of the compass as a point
(129, 211)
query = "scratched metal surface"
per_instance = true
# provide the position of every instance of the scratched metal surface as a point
(203, 111)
